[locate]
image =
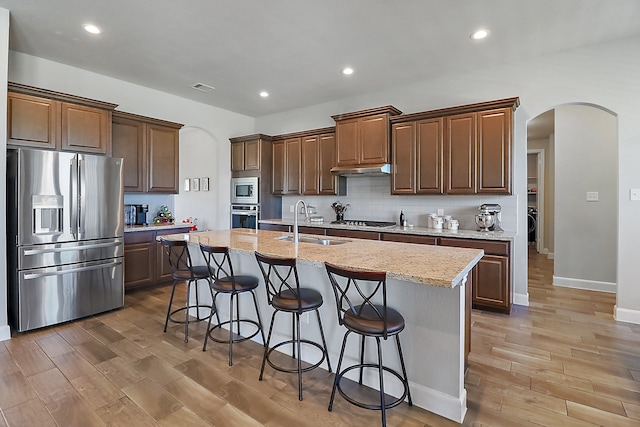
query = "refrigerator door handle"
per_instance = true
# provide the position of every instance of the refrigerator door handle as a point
(72, 248)
(31, 276)
(81, 195)
(73, 205)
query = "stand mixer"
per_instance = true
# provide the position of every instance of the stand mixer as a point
(488, 218)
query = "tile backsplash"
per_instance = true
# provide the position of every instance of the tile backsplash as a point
(370, 199)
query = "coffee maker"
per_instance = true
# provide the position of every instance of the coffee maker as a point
(135, 214)
(488, 218)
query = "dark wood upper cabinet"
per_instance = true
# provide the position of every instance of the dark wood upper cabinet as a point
(494, 151)
(247, 153)
(460, 154)
(318, 157)
(363, 137)
(403, 173)
(430, 149)
(458, 150)
(293, 152)
(329, 183)
(237, 157)
(41, 118)
(374, 139)
(32, 121)
(286, 166)
(129, 143)
(348, 151)
(150, 149)
(252, 155)
(310, 161)
(302, 163)
(85, 128)
(417, 157)
(279, 168)
(163, 158)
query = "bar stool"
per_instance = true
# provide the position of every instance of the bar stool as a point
(225, 282)
(183, 270)
(285, 294)
(355, 292)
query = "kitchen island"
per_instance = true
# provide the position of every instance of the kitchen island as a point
(425, 283)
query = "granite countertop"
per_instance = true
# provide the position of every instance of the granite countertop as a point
(422, 231)
(431, 265)
(153, 227)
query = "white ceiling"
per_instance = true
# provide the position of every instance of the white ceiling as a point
(295, 49)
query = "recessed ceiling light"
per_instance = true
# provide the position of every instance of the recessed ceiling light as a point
(480, 34)
(90, 28)
(347, 71)
(264, 94)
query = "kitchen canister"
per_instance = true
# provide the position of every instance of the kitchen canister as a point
(430, 219)
(437, 222)
(452, 224)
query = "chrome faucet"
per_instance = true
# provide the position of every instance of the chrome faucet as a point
(295, 219)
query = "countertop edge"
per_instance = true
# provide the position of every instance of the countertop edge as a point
(419, 231)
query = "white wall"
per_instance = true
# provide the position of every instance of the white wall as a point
(585, 232)
(579, 75)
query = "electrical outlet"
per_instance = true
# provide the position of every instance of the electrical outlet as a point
(291, 208)
(592, 196)
(440, 212)
(634, 194)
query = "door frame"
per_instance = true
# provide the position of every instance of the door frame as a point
(540, 153)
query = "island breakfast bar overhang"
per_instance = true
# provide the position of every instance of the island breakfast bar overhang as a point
(425, 283)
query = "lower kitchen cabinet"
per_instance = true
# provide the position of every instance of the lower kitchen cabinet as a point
(491, 278)
(274, 227)
(409, 238)
(355, 234)
(144, 260)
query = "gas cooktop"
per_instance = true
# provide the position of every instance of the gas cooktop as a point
(366, 223)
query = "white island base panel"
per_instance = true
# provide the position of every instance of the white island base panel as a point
(432, 342)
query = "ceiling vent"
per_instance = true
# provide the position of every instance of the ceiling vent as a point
(203, 87)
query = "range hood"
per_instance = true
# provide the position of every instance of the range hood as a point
(380, 169)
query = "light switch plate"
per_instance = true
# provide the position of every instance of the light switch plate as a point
(592, 196)
(634, 194)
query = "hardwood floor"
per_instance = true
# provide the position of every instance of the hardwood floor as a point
(562, 361)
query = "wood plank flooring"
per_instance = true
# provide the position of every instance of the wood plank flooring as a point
(562, 361)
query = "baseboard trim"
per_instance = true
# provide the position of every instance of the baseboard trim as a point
(551, 255)
(593, 285)
(5, 332)
(521, 299)
(626, 315)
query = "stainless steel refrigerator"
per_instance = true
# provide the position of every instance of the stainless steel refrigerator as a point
(65, 236)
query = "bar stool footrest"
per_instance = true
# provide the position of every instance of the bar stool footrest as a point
(181, 309)
(295, 370)
(364, 405)
(240, 338)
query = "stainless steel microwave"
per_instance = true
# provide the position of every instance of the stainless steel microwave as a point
(244, 190)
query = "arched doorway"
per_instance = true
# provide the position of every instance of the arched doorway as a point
(580, 193)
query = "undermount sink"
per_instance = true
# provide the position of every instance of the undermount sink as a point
(314, 240)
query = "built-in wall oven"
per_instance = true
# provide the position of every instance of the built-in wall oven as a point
(245, 216)
(244, 190)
